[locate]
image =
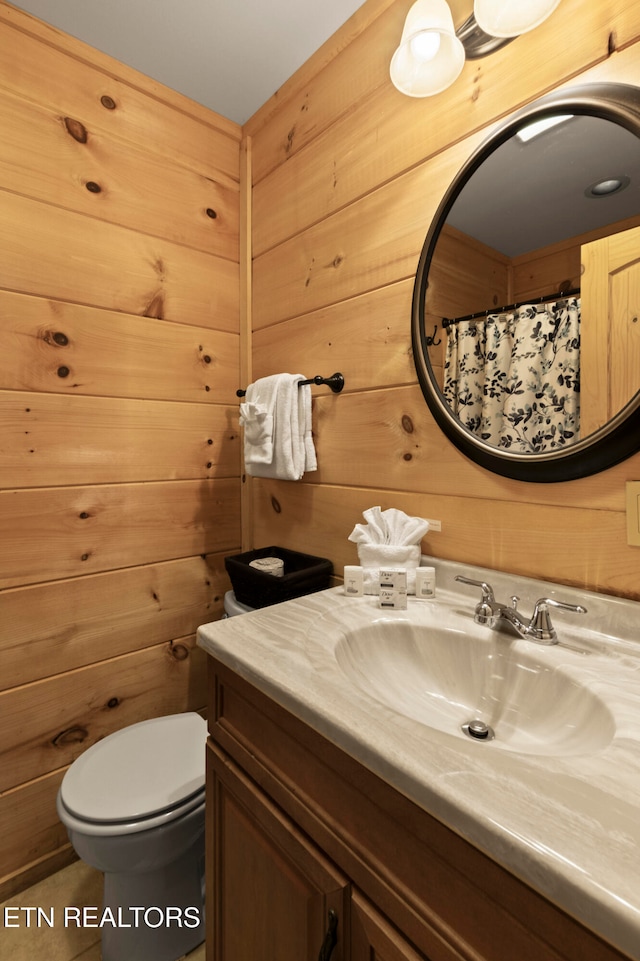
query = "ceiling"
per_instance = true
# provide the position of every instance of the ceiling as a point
(528, 196)
(229, 55)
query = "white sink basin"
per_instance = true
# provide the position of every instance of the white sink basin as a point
(445, 677)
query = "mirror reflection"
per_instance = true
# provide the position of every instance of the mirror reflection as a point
(534, 287)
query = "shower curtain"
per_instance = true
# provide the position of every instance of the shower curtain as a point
(514, 378)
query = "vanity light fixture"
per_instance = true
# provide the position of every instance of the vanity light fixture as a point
(431, 53)
(430, 56)
(506, 18)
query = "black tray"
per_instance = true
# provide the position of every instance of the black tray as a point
(303, 574)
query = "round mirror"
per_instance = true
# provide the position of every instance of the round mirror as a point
(526, 307)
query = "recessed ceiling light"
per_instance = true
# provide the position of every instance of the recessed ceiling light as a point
(537, 127)
(607, 187)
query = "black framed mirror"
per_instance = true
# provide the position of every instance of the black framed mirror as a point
(534, 254)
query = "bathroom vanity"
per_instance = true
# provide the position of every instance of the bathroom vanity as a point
(347, 821)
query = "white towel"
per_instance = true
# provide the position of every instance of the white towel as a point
(276, 417)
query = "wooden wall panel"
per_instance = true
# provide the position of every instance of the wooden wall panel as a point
(42, 336)
(130, 440)
(44, 155)
(54, 532)
(71, 623)
(119, 361)
(51, 68)
(376, 351)
(88, 261)
(578, 546)
(50, 722)
(373, 242)
(32, 837)
(334, 258)
(413, 454)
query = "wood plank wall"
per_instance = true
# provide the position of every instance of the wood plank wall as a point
(119, 448)
(347, 175)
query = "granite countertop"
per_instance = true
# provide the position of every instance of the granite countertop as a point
(568, 824)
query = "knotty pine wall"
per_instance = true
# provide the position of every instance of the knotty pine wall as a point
(347, 175)
(119, 449)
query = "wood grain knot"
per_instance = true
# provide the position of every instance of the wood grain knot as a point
(211, 213)
(275, 503)
(60, 339)
(76, 129)
(113, 702)
(407, 424)
(93, 187)
(179, 652)
(108, 102)
(71, 735)
(63, 371)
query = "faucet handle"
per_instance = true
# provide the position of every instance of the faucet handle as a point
(487, 590)
(540, 626)
(484, 612)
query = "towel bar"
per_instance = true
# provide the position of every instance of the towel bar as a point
(335, 382)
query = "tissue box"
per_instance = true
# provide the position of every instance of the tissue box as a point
(303, 574)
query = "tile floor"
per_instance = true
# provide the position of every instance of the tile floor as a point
(77, 885)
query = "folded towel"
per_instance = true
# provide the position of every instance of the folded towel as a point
(389, 539)
(389, 527)
(276, 417)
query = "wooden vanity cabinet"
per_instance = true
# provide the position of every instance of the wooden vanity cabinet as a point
(300, 836)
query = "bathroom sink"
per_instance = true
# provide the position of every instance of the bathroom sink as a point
(526, 698)
(553, 797)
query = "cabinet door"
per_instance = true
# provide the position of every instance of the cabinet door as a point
(271, 894)
(373, 938)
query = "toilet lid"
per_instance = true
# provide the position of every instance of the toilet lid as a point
(139, 771)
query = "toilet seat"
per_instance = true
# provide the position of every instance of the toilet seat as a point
(137, 778)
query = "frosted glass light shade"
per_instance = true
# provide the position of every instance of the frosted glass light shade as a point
(510, 18)
(430, 56)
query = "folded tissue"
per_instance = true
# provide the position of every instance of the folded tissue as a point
(389, 539)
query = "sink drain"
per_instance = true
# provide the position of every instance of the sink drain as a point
(478, 730)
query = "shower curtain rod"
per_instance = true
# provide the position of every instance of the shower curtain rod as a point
(572, 292)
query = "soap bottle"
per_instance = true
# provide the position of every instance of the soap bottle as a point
(425, 583)
(353, 580)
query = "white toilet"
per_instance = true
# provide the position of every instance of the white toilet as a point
(133, 805)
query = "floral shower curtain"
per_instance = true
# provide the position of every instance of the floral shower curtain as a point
(514, 378)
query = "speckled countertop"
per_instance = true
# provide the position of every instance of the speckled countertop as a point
(567, 822)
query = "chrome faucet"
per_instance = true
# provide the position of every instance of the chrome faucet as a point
(539, 628)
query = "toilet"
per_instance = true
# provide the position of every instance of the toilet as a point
(133, 805)
(233, 607)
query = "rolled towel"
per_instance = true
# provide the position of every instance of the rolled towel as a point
(268, 565)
